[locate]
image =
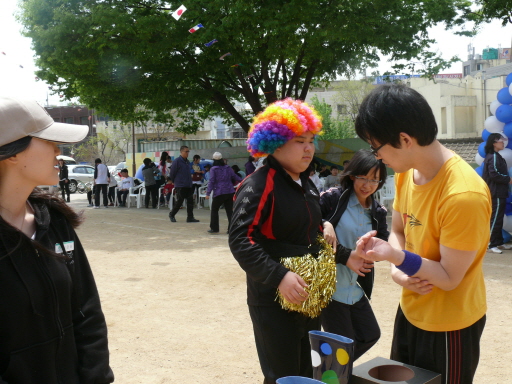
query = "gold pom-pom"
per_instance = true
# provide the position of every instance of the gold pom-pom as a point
(319, 274)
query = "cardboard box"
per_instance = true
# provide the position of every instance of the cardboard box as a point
(381, 370)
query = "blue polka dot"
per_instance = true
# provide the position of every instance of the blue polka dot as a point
(325, 348)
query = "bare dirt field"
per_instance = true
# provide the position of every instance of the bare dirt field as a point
(175, 301)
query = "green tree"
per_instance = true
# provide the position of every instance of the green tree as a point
(351, 93)
(333, 128)
(121, 55)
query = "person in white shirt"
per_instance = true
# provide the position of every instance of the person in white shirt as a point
(124, 187)
(101, 180)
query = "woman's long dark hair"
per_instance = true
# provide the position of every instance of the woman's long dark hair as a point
(218, 163)
(37, 197)
(163, 159)
(361, 164)
(489, 145)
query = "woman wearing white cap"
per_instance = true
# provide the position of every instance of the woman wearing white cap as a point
(221, 185)
(52, 328)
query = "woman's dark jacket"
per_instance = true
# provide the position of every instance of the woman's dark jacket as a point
(333, 204)
(63, 172)
(495, 174)
(273, 217)
(52, 328)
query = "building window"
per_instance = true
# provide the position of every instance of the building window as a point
(342, 109)
(479, 67)
(56, 119)
(84, 120)
(69, 120)
(466, 70)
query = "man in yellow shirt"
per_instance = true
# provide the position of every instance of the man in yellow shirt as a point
(439, 236)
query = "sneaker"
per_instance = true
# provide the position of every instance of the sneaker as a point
(191, 220)
(95, 207)
(505, 246)
(106, 206)
(68, 200)
(111, 205)
(211, 231)
(90, 205)
(173, 220)
(494, 250)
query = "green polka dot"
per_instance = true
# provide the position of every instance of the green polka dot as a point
(330, 377)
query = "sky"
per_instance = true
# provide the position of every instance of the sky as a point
(21, 82)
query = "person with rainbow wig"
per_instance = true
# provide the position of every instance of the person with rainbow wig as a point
(277, 214)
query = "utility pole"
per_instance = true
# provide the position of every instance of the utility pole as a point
(134, 167)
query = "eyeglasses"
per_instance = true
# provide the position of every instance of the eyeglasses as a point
(376, 150)
(364, 180)
(500, 141)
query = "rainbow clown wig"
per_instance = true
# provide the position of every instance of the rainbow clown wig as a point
(280, 122)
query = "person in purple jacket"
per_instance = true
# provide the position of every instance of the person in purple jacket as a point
(221, 186)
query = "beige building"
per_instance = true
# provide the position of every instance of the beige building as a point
(462, 105)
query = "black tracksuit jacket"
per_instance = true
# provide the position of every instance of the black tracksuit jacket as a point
(273, 217)
(333, 203)
(495, 174)
(52, 328)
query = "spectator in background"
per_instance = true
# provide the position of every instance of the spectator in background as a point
(180, 176)
(207, 168)
(238, 171)
(314, 178)
(112, 189)
(124, 187)
(345, 163)
(222, 179)
(324, 172)
(333, 180)
(101, 181)
(250, 167)
(63, 179)
(166, 192)
(150, 171)
(163, 165)
(197, 175)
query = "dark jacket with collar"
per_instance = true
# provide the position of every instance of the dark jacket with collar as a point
(273, 217)
(333, 203)
(52, 328)
(181, 173)
(495, 174)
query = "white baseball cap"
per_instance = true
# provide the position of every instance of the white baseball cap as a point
(20, 118)
(217, 156)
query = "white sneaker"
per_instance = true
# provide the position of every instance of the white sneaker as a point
(505, 246)
(494, 250)
(95, 207)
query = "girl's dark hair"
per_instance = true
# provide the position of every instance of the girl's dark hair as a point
(147, 161)
(163, 158)
(489, 145)
(15, 147)
(218, 163)
(361, 164)
(235, 168)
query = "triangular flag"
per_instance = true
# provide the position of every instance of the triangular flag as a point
(177, 13)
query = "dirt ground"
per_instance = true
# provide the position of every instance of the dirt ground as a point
(175, 301)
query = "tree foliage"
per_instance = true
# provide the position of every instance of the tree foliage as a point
(351, 93)
(333, 128)
(494, 9)
(130, 57)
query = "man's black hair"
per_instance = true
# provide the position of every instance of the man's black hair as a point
(334, 167)
(392, 109)
(97, 161)
(183, 147)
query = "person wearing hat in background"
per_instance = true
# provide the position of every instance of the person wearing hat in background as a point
(52, 328)
(277, 214)
(181, 176)
(220, 186)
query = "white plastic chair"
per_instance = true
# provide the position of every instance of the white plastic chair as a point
(136, 196)
(387, 192)
(142, 195)
(202, 197)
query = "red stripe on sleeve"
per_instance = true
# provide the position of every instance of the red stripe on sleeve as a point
(269, 187)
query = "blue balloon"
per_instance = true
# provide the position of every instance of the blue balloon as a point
(509, 79)
(507, 129)
(481, 150)
(479, 170)
(486, 133)
(504, 113)
(504, 96)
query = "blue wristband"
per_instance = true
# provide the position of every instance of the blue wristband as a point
(411, 264)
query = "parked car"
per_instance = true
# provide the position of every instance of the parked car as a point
(79, 172)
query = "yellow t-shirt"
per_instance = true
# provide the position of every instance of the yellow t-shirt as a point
(452, 209)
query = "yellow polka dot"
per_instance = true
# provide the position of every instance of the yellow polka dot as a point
(342, 356)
